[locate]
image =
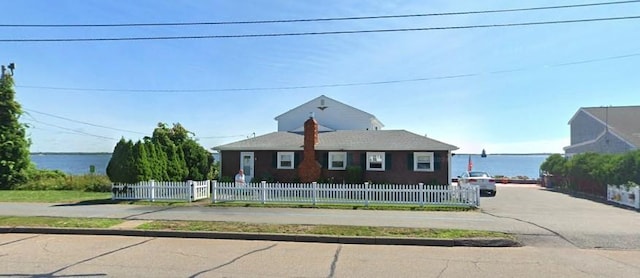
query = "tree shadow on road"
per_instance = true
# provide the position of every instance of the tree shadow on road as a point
(107, 201)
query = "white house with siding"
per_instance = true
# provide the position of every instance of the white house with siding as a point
(612, 129)
(330, 114)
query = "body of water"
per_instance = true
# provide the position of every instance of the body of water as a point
(510, 165)
(75, 164)
(506, 165)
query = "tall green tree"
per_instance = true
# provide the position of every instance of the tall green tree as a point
(121, 164)
(199, 161)
(14, 146)
(170, 154)
(141, 166)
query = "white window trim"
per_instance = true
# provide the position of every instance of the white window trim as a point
(344, 161)
(382, 154)
(415, 161)
(280, 154)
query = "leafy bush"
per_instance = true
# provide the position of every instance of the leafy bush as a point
(226, 179)
(555, 164)
(57, 180)
(597, 170)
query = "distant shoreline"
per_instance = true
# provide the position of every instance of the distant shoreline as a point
(490, 154)
(69, 153)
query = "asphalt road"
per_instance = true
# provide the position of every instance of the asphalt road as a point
(579, 222)
(29, 255)
(564, 237)
(537, 216)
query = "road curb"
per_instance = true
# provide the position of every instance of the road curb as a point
(470, 242)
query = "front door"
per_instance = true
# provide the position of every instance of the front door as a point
(246, 164)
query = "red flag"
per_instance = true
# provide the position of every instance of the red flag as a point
(470, 164)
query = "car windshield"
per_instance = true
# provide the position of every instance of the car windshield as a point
(479, 174)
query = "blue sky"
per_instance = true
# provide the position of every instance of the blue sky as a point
(524, 83)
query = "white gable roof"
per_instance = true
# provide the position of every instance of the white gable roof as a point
(329, 113)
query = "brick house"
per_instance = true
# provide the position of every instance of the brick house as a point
(323, 153)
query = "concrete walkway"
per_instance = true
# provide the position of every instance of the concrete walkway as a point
(137, 215)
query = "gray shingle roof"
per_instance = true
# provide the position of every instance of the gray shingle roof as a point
(623, 120)
(363, 140)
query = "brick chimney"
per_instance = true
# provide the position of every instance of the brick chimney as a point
(310, 169)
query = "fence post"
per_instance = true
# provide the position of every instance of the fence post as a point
(153, 190)
(637, 197)
(214, 191)
(191, 189)
(263, 191)
(366, 194)
(315, 192)
(477, 188)
(421, 194)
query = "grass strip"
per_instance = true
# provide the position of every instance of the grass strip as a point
(241, 227)
(51, 196)
(332, 230)
(57, 222)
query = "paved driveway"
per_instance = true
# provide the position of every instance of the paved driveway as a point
(579, 222)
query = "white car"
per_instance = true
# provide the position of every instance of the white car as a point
(485, 181)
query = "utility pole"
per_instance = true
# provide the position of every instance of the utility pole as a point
(11, 67)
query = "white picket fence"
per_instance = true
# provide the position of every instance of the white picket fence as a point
(621, 194)
(162, 190)
(363, 194)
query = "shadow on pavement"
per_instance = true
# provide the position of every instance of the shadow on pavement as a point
(91, 202)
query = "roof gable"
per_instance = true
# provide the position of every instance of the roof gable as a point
(622, 120)
(323, 102)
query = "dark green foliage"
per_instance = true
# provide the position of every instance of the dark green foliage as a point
(157, 160)
(121, 164)
(601, 169)
(628, 168)
(198, 160)
(56, 180)
(141, 165)
(14, 146)
(170, 154)
(555, 164)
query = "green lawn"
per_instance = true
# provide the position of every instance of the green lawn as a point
(240, 227)
(51, 196)
(57, 222)
(335, 230)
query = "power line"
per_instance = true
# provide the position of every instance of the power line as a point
(316, 19)
(73, 130)
(81, 122)
(333, 85)
(113, 128)
(323, 32)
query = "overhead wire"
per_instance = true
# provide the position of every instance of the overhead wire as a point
(73, 130)
(317, 19)
(111, 128)
(81, 122)
(333, 85)
(395, 30)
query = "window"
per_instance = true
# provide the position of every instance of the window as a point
(337, 160)
(285, 160)
(423, 161)
(375, 161)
